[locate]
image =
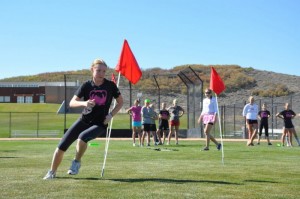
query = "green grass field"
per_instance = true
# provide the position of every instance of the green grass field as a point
(177, 171)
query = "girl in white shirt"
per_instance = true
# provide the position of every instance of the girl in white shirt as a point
(250, 113)
(208, 116)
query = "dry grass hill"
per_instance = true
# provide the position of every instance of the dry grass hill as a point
(265, 81)
(240, 82)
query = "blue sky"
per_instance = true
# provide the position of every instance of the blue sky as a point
(61, 35)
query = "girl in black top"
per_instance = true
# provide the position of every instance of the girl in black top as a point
(264, 115)
(287, 115)
(97, 95)
(163, 123)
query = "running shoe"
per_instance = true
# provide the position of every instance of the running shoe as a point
(250, 144)
(219, 146)
(74, 169)
(50, 175)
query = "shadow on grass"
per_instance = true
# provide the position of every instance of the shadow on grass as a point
(261, 181)
(72, 178)
(175, 181)
(139, 180)
(8, 151)
(8, 157)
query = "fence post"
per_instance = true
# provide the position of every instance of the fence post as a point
(221, 116)
(224, 123)
(234, 129)
(37, 124)
(9, 124)
(275, 117)
(245, 132)
(65, 104)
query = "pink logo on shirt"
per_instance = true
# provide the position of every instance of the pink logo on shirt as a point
(99, 96)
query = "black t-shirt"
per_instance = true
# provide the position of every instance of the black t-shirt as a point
(103, 96)
(264, 115)
(164, 113)
(287, 118)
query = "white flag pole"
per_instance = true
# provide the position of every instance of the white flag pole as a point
(222, 147)
(108, 133)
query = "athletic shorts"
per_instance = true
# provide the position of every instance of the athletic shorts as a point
(288, 126)
(137, 124)
(174, 123)
(251, 121)
(164, 125)
(149, 127)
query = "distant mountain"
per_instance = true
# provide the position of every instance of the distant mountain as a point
(44, 77)
(240, 82)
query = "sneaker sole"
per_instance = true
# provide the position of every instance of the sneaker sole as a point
(71, 173)
(50, 178)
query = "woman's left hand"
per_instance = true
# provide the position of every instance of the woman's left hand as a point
(108, 118)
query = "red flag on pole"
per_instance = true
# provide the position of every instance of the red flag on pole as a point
(216, 83)
(113, 78)
(128, 65)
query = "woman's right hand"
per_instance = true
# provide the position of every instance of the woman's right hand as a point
(90, 103)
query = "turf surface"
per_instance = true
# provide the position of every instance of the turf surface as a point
(175, 171)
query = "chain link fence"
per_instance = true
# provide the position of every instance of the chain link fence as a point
(49, 124)
(233, 123)
(188, 92)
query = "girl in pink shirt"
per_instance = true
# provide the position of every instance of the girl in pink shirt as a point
(135, 112)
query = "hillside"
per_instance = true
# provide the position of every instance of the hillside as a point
(240, 82)
(265, 81)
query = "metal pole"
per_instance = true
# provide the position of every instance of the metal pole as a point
(158, 88)
(221, 116)
(245, 127)
(65, 104)
(10, 124)
(194, 113)
(224, 127)
(37, 124)
(234, 129)
(275, 117)
(130, 102)
(272, 103)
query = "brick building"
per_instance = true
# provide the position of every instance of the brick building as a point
(35, 92)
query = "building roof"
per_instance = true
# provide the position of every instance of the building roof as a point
(37, 84)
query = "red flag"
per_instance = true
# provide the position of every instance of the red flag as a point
(216, 83)
(128, 65)
(113, 78)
